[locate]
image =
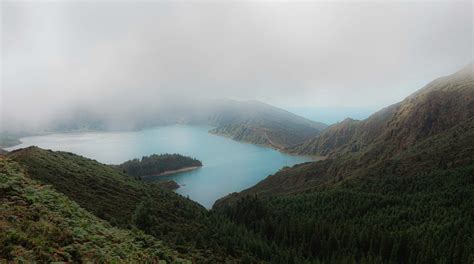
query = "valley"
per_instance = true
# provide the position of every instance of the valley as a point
(397, 187)
(237, 132)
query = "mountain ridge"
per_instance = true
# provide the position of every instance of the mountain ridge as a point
(432, 109)
(395, 188)
(387, 194)
(386, 137)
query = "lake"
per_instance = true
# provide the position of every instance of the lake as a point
(228, 166)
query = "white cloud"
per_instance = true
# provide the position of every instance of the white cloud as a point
(110, 55)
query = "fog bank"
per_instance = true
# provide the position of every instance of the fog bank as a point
(122, 59)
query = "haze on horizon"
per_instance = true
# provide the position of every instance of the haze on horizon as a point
(119, 57)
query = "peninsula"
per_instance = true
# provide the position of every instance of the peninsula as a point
(158, 165)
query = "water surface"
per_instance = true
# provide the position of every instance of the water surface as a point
(228, 166)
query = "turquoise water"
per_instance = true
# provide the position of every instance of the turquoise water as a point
(228, 166)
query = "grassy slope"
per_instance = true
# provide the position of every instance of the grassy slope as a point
(39, 224)
(440, 105)
(110, 194)
(83, 180)
(196, 234)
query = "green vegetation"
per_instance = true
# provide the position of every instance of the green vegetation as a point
(157, 164)
(267, 133)
(278, 136)
(437, 107)
(38, 224)
(125, 202)
(396, 188)
(370, 219)
(110, 194)
(426, 218)
(168, 184)
(262, 124)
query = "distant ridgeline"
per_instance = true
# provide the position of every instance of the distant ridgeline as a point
(155, 165)
(249, 121)
(9, 139)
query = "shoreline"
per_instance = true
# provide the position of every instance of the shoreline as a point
(271, 146)
(174, 171)
(281, 150)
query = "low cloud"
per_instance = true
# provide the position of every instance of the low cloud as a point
(117, 57)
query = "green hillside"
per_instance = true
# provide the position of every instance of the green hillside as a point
(415, 207)
(396, 188)
(262, 124)
(431, 129)
(440, 105)
(85, 180)
(450, 149)
(426, 218)
(112, 195)
(125, 202)
(38, 224)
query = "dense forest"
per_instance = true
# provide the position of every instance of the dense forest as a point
(427, 218)
(157, 164)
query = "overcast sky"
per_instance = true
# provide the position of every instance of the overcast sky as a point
(110, 54)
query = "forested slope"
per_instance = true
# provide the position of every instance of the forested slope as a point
(396, 188)
(426, 218)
